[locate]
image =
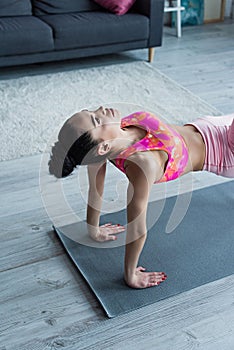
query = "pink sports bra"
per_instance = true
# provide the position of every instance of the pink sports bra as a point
(159, 137)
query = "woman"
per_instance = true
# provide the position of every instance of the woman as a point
(148, 151)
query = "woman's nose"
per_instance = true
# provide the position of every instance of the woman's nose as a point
(102, 109)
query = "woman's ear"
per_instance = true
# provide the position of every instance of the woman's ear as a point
(103, 148)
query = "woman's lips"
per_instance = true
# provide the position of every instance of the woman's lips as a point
(111, 112)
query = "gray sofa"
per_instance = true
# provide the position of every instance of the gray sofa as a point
(33, 31)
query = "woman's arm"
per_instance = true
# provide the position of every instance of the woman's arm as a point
(96, 175)
(141, 177)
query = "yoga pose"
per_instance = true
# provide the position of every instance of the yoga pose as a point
(148, 151)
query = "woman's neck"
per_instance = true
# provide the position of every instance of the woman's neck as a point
(128, 137)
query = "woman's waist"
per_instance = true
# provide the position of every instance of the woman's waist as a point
(195, 146)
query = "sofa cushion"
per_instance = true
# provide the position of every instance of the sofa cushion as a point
(15, 8)
(24, 34)
(96, 28)
(62, 6)
(119, 7)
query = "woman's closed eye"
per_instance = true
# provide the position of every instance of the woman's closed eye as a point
(95, 120)
(98, 121)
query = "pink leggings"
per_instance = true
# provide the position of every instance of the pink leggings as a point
(218, 136)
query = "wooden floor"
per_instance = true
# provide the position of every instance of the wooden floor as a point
(202, 61)
(45, 304)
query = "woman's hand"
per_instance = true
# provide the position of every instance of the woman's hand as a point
(142, 279)
(106, 232)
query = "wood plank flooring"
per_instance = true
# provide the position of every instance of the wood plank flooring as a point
(45, 303)
(202, 61)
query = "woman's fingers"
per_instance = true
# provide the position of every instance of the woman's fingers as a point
(114, 228)
(108, 224)
(144, 279)
(157, 278)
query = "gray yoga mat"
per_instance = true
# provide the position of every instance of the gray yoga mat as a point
(199, 251)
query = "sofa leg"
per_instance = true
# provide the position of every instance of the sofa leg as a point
(151, 54)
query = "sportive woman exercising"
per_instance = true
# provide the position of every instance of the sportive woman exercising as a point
(148, 151)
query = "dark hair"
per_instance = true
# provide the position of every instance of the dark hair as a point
(81, 152)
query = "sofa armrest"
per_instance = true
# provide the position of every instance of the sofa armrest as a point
(154, 9)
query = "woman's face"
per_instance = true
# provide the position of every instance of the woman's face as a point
(103, 124)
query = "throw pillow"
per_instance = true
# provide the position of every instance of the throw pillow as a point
(119, 7)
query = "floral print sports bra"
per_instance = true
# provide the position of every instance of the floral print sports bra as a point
(160, 137)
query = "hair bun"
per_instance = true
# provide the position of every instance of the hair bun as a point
(60, 164)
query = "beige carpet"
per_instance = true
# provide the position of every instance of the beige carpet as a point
(33, 108)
